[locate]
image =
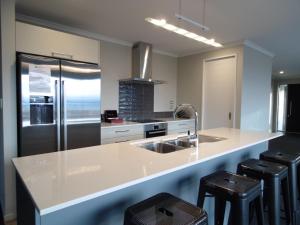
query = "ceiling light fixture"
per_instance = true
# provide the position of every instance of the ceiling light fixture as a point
(281, 72)
(188, 20)
(163, 24)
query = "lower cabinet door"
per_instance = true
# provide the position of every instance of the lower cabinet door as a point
(181, 127)
(181, 131)
(122, 131)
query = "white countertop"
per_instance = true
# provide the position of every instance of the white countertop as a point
(130, 123)
(62, 179)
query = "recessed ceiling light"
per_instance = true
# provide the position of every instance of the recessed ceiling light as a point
(163, 24)
(281, 72)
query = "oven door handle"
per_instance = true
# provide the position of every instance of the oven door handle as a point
(156, 132)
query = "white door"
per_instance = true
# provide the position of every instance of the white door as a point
(219, 91)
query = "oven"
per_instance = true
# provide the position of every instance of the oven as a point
(155, 130)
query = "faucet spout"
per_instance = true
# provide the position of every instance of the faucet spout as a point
(181, 110)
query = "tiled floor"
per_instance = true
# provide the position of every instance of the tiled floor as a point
(289, 143)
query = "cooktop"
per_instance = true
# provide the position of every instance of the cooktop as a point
(147, 121)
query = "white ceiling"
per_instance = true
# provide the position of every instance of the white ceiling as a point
(272, 24)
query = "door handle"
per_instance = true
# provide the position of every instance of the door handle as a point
(121, 141)
(62, 55)
(291, 108)
(157, 132)
(229, 115)
(121, 131)
(64, 113)
(57, 116)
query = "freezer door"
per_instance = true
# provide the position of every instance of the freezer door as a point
(38, 104)
(80, 104)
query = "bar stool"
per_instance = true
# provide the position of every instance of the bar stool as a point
(164, 209)
(292, 162)
(275, 177)
(240, 191)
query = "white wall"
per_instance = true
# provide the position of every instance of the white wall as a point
(256, 89)
(116, 64)
(253, 84)
(9, 101)
(190, 74)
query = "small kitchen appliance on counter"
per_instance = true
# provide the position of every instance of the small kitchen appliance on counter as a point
(111, 116)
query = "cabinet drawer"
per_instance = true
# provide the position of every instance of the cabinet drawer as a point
(181, 125)
(121, 139)
(182, 131)
(122, 131)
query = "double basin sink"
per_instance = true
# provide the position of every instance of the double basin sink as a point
(178, 144)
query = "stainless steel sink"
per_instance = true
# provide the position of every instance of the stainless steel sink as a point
(178, 143)
(205, 138)
(161, 147)
(185, 143)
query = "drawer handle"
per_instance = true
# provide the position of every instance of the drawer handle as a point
(121, 141)
(121, 131)
(62, 55)
(157, 132)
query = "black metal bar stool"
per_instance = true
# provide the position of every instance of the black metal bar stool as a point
(240, 191)
(164, 209)
(275, 177)
(292, 162)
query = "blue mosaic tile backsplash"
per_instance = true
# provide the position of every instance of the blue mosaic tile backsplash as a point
(136, 100)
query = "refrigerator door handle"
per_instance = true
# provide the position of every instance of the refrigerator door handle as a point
(291, 108)
(64, 114)
(57, 116)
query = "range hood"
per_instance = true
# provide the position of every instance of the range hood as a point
(142, 63)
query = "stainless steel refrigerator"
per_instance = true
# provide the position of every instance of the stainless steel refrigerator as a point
(58, 104)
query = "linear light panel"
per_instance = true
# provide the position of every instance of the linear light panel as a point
(163, 23)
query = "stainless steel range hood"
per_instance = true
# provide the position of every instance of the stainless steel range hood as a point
(142, 63)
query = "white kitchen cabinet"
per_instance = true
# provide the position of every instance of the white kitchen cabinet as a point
(43, 41)
(181, 126)
(121, 133)
(121, 139)
(165, 69)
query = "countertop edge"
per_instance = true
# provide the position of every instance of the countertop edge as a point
(112, 125)
(140, 180)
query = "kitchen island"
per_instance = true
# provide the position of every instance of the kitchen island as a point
(95, 185)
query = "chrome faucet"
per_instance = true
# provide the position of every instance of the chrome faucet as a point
(181, 110)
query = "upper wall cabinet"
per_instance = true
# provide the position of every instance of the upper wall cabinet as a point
(43, 41)
(164, 68)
